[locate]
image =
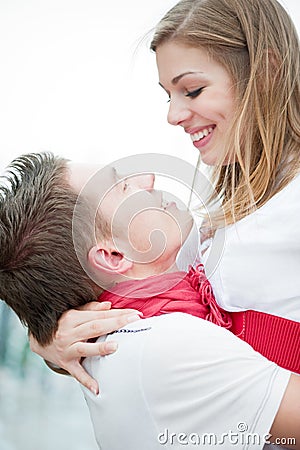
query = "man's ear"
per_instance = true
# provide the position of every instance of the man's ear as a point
(107, 259)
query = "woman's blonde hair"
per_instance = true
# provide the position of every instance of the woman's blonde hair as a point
(256, 41)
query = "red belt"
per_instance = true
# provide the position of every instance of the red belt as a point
(276, 338)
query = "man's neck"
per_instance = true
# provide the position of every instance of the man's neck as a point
(142, 271)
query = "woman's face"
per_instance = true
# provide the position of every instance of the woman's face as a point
(201, 96)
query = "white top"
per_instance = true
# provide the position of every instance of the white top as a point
(177, 380)
(257, 262)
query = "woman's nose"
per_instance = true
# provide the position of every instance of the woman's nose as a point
(177, 113)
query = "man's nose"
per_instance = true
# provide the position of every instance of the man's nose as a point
(144, 181)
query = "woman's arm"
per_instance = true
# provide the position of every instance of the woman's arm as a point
(75, 327)
(286, 425)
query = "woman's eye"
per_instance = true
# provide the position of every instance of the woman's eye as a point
(195, 93)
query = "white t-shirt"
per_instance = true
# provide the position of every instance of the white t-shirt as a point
(255, 263)
(177, 380)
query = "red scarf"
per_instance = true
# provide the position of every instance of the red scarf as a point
(189, 293)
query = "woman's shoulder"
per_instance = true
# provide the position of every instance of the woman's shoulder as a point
(284, 205)
(291, 191)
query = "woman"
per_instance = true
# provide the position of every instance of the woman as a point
(231, 69)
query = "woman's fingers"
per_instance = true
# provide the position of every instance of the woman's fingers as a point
(82, 349)
(74, 318)
(75, 328)
(77, 371)
(68, 342)
(85, 349)
(108, 324)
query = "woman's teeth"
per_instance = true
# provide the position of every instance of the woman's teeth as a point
(201, 134)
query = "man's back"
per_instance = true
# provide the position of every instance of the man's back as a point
(176, 381)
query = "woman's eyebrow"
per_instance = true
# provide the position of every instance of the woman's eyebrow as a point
(176, 79)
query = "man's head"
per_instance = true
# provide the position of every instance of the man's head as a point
(68, 230)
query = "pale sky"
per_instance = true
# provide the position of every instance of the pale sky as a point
(74, 80)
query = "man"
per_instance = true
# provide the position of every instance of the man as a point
(66, 234)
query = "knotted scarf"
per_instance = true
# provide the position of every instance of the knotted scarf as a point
(189, 293)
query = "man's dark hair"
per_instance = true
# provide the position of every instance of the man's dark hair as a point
(40, 275)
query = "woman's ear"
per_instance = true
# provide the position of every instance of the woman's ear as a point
(108, 259)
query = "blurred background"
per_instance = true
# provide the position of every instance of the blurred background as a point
(77, 78)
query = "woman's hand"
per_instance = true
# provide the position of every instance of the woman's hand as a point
(75, 327)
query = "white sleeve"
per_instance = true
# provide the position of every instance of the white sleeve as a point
(202, 380)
